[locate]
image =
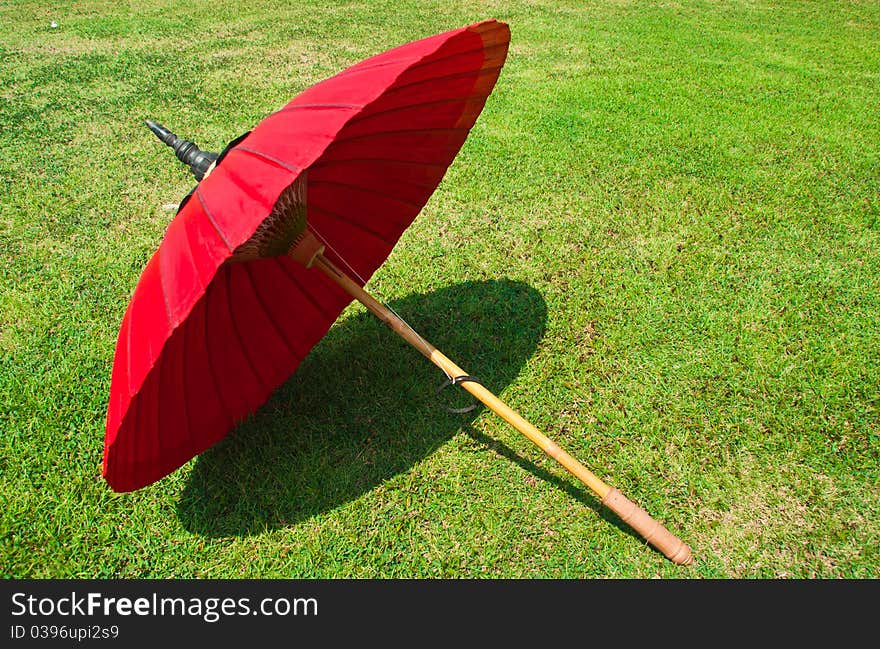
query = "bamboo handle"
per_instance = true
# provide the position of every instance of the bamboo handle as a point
(653, 532)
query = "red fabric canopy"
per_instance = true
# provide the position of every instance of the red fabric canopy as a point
(204, 342)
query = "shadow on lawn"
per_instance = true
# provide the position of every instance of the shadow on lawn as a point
(362, 408)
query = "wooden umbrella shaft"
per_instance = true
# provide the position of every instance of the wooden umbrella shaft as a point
(636, 517)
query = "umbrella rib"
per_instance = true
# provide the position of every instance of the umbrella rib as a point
(326, 163)
(368, 190)
(269, 317)
(362, 118)
(270, 158)
(357, 69)
(451, 75)
(158, 390)
(302, 290)
(425, 185)
(401, 131)
(129, 313)
(426, 59)
(192, 259)
(359, 226)
(130, 439)
(187, 416)
(236, 330)
(211, 219)
(159, 255)
(211, 370)
(289, 108)
(437, 59)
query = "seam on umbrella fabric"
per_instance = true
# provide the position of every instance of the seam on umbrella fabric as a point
(451, 75)
(171, 323)
(165, 368)
(302, 290)
(237, 331)
(461, 32)
(332, 161)
(340, 217)
(315, 174)
(418, 61)
(211, 369)
(403, 131)
(158, 390)
(247, 271)
(192, 259)
(357, 68)
(358, 226)
(270, 158)
(128, 357)
(187, 415)
(368, 190)
(131, 453)
(437, 59)
(363, 118)
(211, 219)
(288, 108)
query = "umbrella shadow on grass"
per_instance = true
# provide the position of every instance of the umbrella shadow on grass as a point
(361, 408)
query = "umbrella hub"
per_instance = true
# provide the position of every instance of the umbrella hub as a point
(306, 249)
(283, 230)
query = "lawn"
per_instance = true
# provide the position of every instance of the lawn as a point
(660, 244)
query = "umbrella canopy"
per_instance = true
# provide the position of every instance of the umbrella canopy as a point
(220, 316)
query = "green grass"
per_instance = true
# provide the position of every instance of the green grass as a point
(659, 243)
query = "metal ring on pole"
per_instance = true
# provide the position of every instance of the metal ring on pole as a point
(453, 381)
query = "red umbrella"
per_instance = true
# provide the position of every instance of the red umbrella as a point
(234, 297)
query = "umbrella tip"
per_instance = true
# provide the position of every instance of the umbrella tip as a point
(187, 151)
(161, 132)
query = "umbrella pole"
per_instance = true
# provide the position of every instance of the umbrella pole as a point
(653, 532)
